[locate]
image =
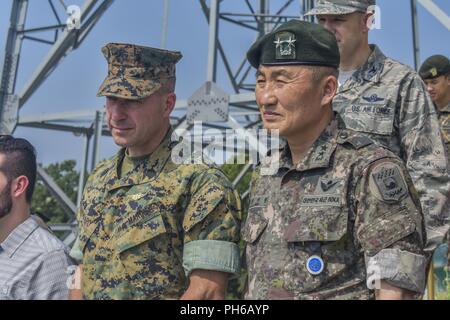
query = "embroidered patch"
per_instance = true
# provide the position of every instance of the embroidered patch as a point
(285, 46)
(373, 98)
(331, 200)
(390, 182)
(327, 184)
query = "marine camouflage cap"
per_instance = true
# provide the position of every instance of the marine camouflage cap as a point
(435, 66)
(340, 6)
(136, 72)
(296, 43)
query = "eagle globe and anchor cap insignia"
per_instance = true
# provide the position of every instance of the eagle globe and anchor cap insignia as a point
(285, 45)
(390, 182)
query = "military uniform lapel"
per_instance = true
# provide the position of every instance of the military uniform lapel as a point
(370, 71)
(320, 154)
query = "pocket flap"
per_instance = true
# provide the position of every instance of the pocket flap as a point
(254, 224)
(140, 233)
(317, 224)
(385, 231)
(87, 235)
(371, 118)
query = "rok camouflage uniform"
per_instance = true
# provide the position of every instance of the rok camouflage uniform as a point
(143, 230)
(438, 66)
(349, 202)
(387, 101)
(444, 121)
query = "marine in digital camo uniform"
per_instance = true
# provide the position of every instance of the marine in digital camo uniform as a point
(435, 71)
(148, 225)
(387, 101)
(343, 216)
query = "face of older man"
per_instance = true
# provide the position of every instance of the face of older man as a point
(136, 124)
(289, 100)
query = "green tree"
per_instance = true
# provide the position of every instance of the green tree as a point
(43, 203)
(236, 286)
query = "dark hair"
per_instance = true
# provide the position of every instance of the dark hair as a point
(20, 159)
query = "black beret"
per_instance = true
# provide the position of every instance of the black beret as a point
(435, 66)
(296, 43)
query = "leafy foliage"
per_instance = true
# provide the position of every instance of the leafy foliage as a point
(236, 286)
(43, 203)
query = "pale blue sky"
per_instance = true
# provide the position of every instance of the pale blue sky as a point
(73, 85)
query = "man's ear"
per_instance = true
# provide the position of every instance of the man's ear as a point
(171, 99)
(329, 90)
(366, 21)
(19, 186)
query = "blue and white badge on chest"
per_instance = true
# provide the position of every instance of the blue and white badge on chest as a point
(315, 265)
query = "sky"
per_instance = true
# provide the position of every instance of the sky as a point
(73, 84)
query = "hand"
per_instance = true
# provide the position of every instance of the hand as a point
(390, 292)
(206, 285)
(75, 292)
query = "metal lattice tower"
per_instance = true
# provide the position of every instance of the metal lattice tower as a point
(89, 125)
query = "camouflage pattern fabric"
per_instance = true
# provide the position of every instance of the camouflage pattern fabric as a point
(387, 101)
(133, 229)
(444, 122)
(349, 202)
(340, 6)
(135, 72)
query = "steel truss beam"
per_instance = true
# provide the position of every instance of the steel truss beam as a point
(11, 60)
(436, 12)
(69, 40)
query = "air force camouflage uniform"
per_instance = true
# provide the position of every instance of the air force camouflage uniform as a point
(387, 101)
(346, 217)
(143, 230)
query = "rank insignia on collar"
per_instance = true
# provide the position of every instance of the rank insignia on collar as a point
(285, 45)
(390, 182)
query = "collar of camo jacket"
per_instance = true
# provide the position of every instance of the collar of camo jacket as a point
(319, 154)
(446, 109)
(370, 71)
(145, 170)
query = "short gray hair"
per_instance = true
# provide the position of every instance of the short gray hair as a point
(320, 72)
